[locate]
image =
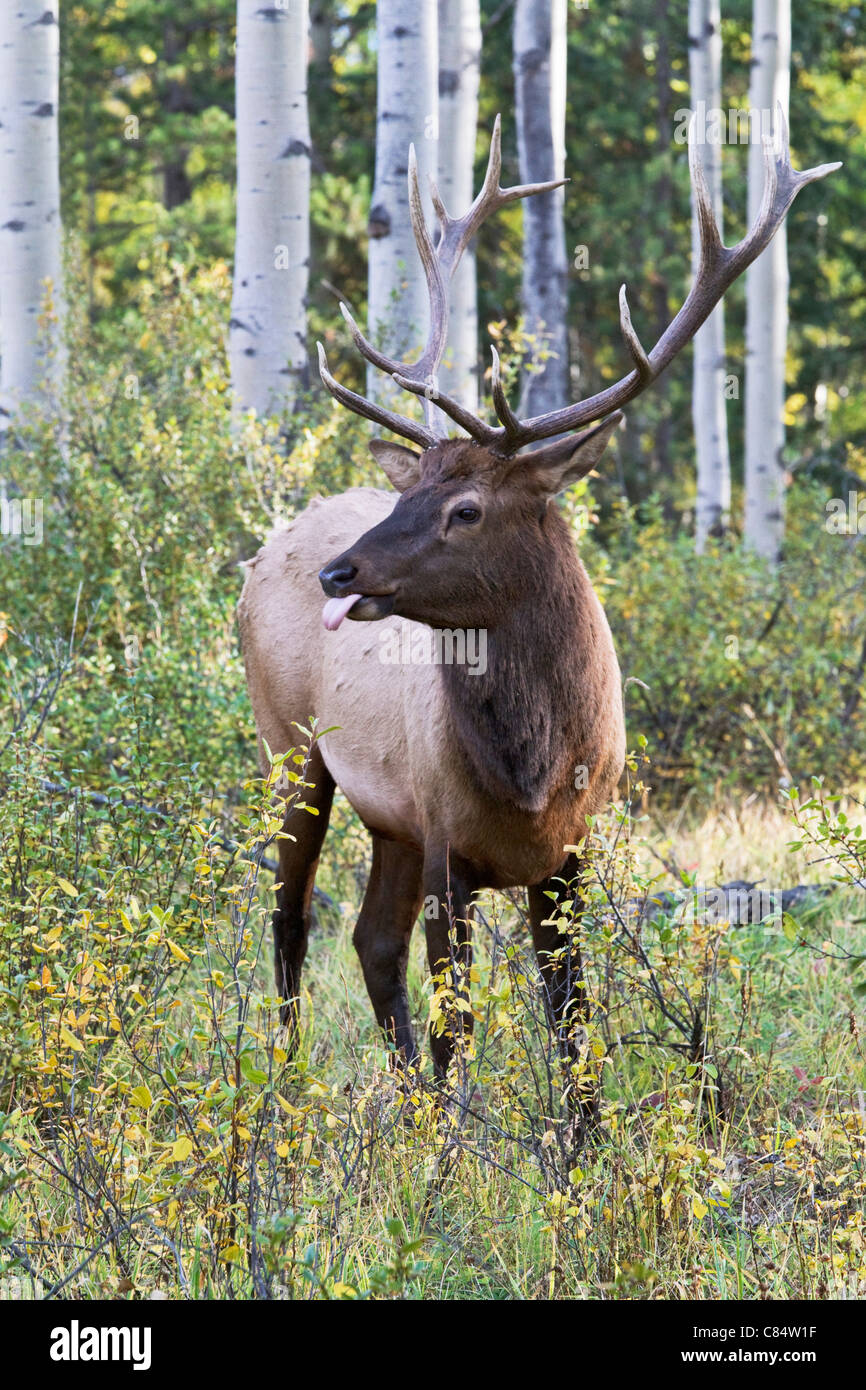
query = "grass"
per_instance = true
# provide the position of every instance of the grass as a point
(158, 1142)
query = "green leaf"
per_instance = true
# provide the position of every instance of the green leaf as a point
(251, 1072)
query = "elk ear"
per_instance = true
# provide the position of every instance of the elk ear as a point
(561, 464)
(401, 466)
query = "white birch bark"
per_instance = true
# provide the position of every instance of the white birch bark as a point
(766, 296)
(540, 81)
(268, 329)
(407, 109)
(30, 231)
(708, 394)
(459, 76)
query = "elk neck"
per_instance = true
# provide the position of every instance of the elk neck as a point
(522, 723)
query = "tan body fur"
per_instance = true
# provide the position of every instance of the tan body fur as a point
(395, 751)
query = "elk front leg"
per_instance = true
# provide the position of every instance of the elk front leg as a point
(299, 859)
(448, 887)
(382, 935)
(565, 999)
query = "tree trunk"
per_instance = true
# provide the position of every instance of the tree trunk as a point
(459, 74)
(268, 329)
(766, 296)
(708, 397)
(321, 33)
(659, 462)
(406, 113)
(30, 229)
(539, 75)
(176, 187)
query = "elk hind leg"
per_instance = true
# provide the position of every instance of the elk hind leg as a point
(449, 884)
(561, 964)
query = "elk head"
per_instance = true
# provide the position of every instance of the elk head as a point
(447, 554)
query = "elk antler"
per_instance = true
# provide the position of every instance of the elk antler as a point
(719, 266)
(440, 263)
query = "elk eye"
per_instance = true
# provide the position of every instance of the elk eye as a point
(467, 514)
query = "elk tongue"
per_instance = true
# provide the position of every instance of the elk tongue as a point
(336, 609)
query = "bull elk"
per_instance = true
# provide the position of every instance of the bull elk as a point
(465, 778)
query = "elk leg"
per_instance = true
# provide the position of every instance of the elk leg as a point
(561, 965)
(299, 859)
(448, 888)
(382, 935)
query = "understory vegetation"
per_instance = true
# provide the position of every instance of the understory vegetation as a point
(155, 1137)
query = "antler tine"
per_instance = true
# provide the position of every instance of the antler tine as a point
(632, 341)
(364, 346)
(437, 293)
(457, 232)
(436, 199)
(430, 358)
(409, 429)
(500, 403)
(477, 429)
(708, 230)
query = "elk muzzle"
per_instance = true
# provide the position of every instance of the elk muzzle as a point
(337, 579)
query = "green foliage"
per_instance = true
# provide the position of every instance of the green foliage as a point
(743, 676)
(155, 1136)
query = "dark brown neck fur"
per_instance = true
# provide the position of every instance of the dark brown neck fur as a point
(523, 724)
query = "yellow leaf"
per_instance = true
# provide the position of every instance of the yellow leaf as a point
(699, 1208)
(285, 1105)
(181, 1149)
(244, 1132)
(176, 950)
(68, 888)
(71, 1040)
(140, 1095)
(46, 976)
(283, 1149)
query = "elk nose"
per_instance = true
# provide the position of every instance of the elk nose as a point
(336, 577)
